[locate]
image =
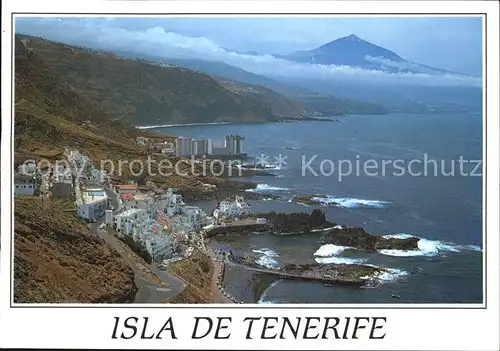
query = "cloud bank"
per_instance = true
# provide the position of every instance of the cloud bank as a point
(102, 34)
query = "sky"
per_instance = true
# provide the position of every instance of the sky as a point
(451, 43)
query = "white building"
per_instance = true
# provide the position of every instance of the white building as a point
(76, 158)
(234, 144)
(98, 176)
(130, 220)
(143, 201)
(61, 174)
(126, 189)
(237, 208)
(109, 217)
(210, 146)
(167, 148)
(184, 146)
(27, 168)
(24, 184)
(173, 203)
(141, 141)
(148, 232)
(159, 223)
(91, 203)
(160, 245)
(196, 216)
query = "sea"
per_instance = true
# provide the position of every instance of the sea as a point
(395, 175)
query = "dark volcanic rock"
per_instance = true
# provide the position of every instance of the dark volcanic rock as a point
(289, 223)
(314, 199)
(236, 229)
(354, 273)
(397, 244)
(357, 237)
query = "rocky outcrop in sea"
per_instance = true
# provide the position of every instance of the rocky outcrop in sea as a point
(293, 223)
(358, 238)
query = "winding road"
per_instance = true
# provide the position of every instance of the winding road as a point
(150, 291)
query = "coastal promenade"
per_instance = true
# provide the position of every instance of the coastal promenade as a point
(220, 294)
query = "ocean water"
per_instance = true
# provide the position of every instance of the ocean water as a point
(430, 196)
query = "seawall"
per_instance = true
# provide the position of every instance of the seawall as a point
(236, 229)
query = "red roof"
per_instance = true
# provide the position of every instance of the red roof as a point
(126, 187)
(127, 196)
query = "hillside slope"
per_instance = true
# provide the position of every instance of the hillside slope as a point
(280, 96)
(51, 114)
(225, 71)
(280, 105)
(144, 93)
(284, 99)
(57, 259)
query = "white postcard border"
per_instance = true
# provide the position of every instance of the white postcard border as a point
(407, 327)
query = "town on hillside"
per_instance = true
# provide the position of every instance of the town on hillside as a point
(156, 219)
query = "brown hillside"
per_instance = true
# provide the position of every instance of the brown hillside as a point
(57, 259)
(143, 93)
(197, 272)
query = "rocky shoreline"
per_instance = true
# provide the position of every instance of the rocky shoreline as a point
(295, 223)
(314, 199)
(284, 224)
(358, 238)
(277, 223)
(351, 274)
(223, 188)
(340, 273)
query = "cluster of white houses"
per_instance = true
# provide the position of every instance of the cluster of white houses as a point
(232, 209)
(55, 180)
(160, 221)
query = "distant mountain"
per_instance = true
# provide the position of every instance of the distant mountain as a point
(355, 52)
(350, 51)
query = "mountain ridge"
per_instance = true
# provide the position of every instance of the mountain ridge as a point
(143, 93)
(354, 51)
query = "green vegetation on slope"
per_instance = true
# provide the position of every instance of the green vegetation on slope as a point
(280, 105)
(51, 114)
(144, 93)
